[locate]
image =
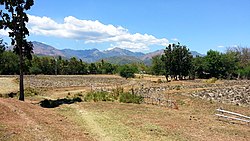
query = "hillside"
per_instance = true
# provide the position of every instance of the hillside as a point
(93, 55)
(122, 60)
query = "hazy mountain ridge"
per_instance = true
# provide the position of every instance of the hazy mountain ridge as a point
(92, 55)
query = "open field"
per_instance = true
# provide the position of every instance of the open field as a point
(193, 120)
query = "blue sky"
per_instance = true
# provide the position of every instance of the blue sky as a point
(141, 25)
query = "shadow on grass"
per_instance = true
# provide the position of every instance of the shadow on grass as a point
(55, 103)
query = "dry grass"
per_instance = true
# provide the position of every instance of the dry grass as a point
(194, 120)
(8, 85)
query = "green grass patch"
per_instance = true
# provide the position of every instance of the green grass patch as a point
(99, 96)
(116, 95)
(130, 98)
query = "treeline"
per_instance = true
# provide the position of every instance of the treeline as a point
(9, 65)
(178, 61)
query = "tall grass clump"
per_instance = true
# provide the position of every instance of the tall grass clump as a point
(98, 96)
(130, 98)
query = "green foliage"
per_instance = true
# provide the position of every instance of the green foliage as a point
(218, 65)
(158, 66)
(244, 72)
(104, 67)
(2, 47)
(117, 92)
(9, 63)
(98, 96)
(29, 92)
(178, 60)
(127, 71)
(130, 98)
(15, 19)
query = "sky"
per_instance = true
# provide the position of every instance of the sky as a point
(140, 25)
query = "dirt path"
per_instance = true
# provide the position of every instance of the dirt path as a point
(25, 121)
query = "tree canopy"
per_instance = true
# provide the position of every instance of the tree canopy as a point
(14, 18)
(178, 60)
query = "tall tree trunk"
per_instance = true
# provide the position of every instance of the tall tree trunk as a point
(21, 87)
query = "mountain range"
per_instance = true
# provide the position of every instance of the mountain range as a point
(115, 55)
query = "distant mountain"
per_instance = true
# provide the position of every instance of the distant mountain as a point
(91, 55)
(122, 52)
(195, 53)
(115, 55)
(123, 60)
(46, 50)
(150, 55)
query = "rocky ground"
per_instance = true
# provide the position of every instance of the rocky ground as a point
(194, 119)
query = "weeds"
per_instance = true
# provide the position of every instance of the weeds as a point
(116, 94)
(99, 96)
(130, 98)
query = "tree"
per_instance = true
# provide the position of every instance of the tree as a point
(2, 49)
(199, 67)
(93, 68)
(9, 63)
(178, 60)
(15, 19)
(2, 46)
(127, 71)
(158, 66)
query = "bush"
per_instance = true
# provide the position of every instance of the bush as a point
(29, 92)
(117, 92)
(98, 96)
(127, 71)
(245, 72)
(130, 98)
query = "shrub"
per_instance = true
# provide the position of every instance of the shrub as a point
(98, 96)
(127, 71)
(245, 72)
(117, 92)
(130, 98)
(29, 92)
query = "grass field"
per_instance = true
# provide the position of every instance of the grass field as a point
(8, 85)
(193, 120)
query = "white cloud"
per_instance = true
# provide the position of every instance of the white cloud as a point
(220, 46)
(175, 39)
(93, 32)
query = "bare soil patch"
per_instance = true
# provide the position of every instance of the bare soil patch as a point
(26, 121)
